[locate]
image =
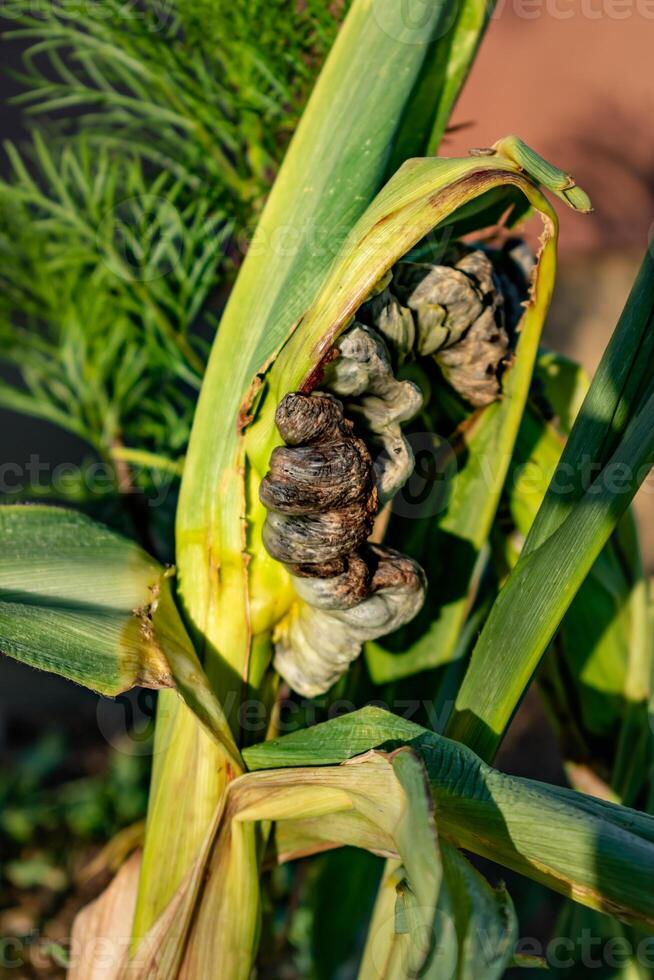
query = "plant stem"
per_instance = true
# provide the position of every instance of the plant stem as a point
(146, 459)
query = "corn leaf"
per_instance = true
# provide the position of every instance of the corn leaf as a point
(600, 854)
(456, 41)
(477, 926)
(610, 404)
(436, 909)
(78, 600)
(189, 776)
(190, 936)
(616, 424)
(98, 947)
(601, 645)
(349, 735)
(386, 793)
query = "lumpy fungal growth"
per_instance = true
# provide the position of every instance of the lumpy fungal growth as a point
(344, 458)
(321, 498)
(454, 313)
(379, 403)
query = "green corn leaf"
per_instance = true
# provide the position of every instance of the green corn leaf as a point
(602, 645)
(598, 853)
(563, 545)
(598, 633)
(428, 111)
(609, 405)
(486, 925)
(477, 926)
(349, 735)
(79, 600)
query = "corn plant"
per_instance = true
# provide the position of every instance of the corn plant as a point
(358, 520)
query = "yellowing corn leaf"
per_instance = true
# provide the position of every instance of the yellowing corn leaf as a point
(80, 601)
(99, 945)
(389, 793)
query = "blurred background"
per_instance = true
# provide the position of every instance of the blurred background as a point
(573, 79)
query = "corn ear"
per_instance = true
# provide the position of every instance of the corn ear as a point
(284, 314)
(330, 174)
(336, 163)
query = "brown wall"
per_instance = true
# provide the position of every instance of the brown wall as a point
(575, 79)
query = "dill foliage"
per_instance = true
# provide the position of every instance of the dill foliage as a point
(156, 131)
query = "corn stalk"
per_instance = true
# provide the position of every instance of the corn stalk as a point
(359, 191)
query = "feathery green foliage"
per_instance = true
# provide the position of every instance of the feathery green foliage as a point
(123, 222)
